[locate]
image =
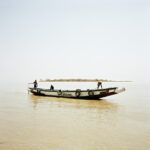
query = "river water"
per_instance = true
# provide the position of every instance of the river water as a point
(119, 122)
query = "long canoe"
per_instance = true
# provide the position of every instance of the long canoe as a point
(78, 94)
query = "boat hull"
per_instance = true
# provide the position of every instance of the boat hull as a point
(77, 94)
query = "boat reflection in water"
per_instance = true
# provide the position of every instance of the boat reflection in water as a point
(65, 103)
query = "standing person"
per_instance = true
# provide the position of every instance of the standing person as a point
(99, 84)
(35, 84)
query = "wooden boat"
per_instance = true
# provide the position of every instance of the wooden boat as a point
(78, 93)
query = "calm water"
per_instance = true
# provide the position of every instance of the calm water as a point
(120, 122)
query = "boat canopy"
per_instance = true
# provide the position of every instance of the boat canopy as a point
(79, 80)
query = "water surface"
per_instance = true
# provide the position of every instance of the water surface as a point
(120, 122)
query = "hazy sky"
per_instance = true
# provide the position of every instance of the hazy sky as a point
(107, 39)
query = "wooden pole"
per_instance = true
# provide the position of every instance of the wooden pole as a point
(79, 80)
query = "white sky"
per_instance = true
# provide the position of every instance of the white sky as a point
(106, 39)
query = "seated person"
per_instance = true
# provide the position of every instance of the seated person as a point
(51, 87)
